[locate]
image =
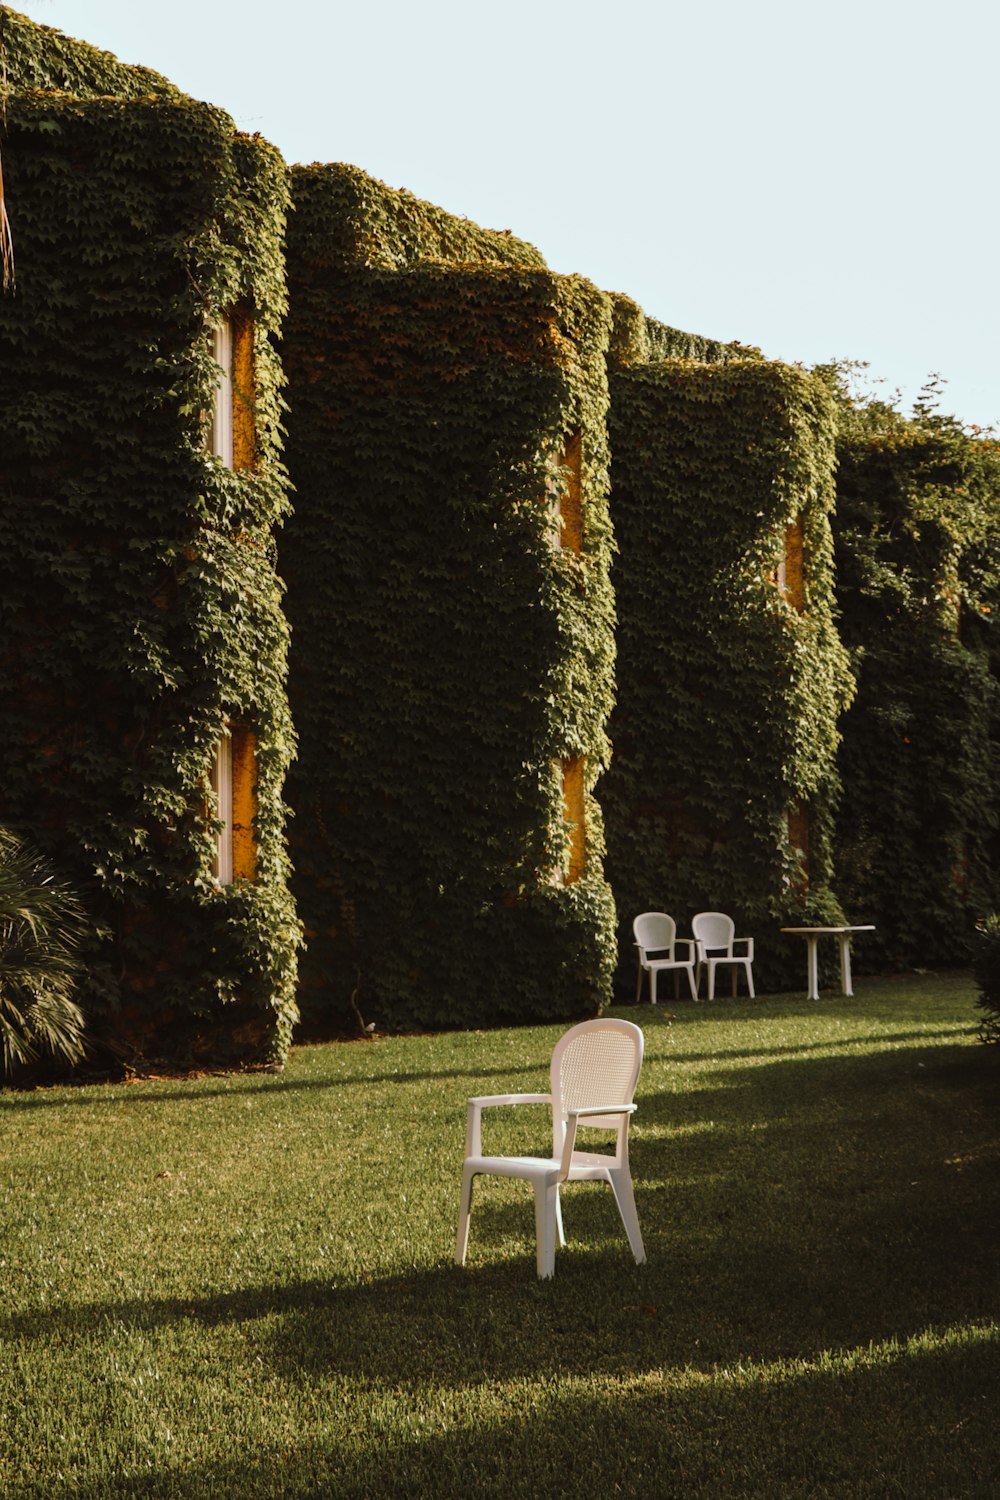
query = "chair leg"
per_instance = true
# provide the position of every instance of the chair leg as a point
(711, 978)
(464, 1215)
(653, 973)
(621, 1185)
(749, 969)
(560, 1236)
(638, 986)
(546, 1207)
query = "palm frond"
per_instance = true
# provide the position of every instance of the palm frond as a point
(42, 923)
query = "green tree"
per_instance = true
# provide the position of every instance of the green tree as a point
(917, 534)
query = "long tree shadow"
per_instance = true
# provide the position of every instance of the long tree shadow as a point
(816, 1434)
(169, 1091)
(763, 1244)
(829, 1044)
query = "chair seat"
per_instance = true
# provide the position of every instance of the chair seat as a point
(584, 1164)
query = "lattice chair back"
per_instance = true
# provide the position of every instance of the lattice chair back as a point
(595, 1063)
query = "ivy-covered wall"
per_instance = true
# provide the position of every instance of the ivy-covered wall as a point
(39, 57)
(918, 584)
(637, 339)
(139, 603)
(731, 676)
(452, 660)
(452, 600)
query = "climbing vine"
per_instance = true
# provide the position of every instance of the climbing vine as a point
(918, 584)
(731, 676)
(139, 604)
(448, 656)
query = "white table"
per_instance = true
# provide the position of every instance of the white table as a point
(843, 936)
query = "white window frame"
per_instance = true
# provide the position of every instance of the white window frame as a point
(221, 781)
(222, 435)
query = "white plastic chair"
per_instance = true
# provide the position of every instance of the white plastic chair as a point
(656, 933)
(592, 1078)
(713, 934)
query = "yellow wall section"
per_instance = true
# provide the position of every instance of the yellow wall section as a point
(244, 439)
(244, 741)
(794, 576)
(571, 507)
(575, 813)
(244, 802)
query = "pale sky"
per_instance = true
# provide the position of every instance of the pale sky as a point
(818, 180)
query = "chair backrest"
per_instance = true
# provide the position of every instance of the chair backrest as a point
(594, 1063)
(654, 931)
(713, 929)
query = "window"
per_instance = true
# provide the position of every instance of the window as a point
(221, 433)
(244, 421)
(574, 809)
(232, 433)
(233, 779)
(221, 781)
(798, 838)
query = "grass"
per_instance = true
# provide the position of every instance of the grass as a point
(243, 1285)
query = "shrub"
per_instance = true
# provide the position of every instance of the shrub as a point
(41, 925)
(986, 972)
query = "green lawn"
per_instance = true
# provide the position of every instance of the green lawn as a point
(244, 1285)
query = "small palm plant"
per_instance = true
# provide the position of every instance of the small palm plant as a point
(41, 926)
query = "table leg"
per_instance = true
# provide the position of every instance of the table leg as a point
(845, 963)
(812, 968)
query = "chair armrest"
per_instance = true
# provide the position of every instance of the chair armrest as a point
(688, 943)
(486, 1101)
(573, 1119)
(649, 957)
(473, 1124)
(749, 945)
(601, 1109)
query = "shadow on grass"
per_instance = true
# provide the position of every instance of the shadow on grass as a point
(809, 1433)
(156, 1091)
(830, 1044)
(864, 1207)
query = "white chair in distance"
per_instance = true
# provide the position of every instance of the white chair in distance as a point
(592, 1079)
(657, 942)
(713, 934)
